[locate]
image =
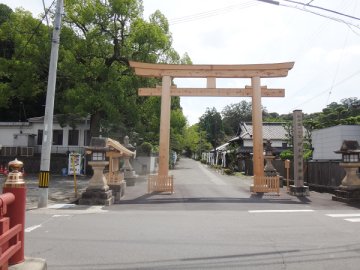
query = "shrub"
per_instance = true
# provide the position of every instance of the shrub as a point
(146, 148)
(228, 171)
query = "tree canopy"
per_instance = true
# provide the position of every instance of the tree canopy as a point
(98, 38)
(211, 122)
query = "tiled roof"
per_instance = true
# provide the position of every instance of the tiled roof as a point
(271, 131)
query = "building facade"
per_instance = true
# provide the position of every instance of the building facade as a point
(25, 138)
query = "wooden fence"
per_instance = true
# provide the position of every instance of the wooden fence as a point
(266, 184)
(158, 183)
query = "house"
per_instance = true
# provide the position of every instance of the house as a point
(273, 131)
(328, 140)
(25, 138)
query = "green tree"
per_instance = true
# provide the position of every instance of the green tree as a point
(24, 43)
(195, 141)
(235, 113)
(211, 123)
(108, 35)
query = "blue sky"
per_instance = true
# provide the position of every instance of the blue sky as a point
(326, 52)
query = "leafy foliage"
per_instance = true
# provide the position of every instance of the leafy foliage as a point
(98, 39)
(195, 141)
(211, 123)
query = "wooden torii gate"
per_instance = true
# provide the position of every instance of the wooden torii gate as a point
(164, 182)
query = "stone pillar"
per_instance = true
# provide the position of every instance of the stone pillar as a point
(298, 189)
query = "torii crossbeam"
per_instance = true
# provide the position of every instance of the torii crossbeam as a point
(211, 72)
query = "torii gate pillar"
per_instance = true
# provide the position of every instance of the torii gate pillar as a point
(258, 149)
(165, 127)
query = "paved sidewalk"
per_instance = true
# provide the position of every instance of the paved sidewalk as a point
(61, 189)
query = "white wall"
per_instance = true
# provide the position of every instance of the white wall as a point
(274, 143)
(326, 141)
(8, 130)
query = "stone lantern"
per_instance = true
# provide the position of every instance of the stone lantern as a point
(349, 190)
(97, 192)
(129, 173)
(269, 169)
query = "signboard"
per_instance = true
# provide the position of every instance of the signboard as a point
(74, 164)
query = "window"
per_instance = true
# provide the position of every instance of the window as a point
(98, 156)
(40, 137)
(87, 137)
(351, 158)
(73, 138)
(57, 137)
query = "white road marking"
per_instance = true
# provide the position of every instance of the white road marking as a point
(213, 178)
(353, 219)
(280, 211)
(60, 216)
(343, 215)
(32, 228)
(62, 206)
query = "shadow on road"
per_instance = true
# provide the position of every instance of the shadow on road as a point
(147, 199)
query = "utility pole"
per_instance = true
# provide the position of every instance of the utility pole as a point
(44, 175)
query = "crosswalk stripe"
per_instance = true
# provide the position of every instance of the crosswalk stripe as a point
(280, 211)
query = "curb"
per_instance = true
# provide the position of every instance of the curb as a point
(30, 264)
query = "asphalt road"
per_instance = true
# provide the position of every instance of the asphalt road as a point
(211, 222)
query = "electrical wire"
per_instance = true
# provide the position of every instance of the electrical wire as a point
(34, 32)
(323, 15)
(324, 9)
(326, 90)
(47, 20)
(337, 68)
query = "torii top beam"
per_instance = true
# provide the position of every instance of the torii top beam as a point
(218, 71)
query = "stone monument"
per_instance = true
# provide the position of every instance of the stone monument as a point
(298, 189)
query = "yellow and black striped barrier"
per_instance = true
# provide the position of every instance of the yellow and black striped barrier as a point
(44, 177)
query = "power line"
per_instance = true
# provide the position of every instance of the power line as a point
(303, 8)
(324, 9)
(326, 90)
(34, 32)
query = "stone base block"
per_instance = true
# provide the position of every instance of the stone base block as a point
(96, 197)
(130, 181)
(30, 263)
(299, 191)
(118, 191)
(347, 195)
